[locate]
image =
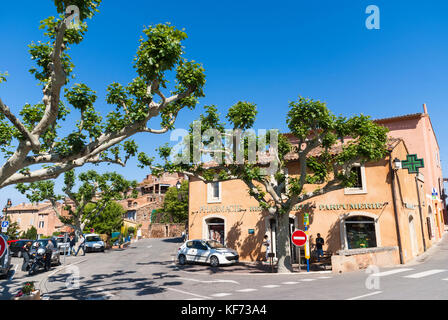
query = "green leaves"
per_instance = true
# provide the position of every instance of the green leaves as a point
(3, 76)
(159, 52)
(242, 115)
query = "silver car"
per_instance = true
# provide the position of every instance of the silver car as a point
(206, 251)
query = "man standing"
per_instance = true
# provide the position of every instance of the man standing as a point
(319, 243)
(48, 253)
(71, 250)
(267, 243)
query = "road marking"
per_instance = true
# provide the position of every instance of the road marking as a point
(365, 295)
(271, 286)
(185, 292)
(324, 278)
(307, 279)
(246, 290)
(221, 294)
(424, 273)
(387, 273)
(105, 292)
(209, 281)
(149, 247)
(290, 282)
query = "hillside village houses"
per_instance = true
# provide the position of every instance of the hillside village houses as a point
(151, 193)
(390, 217)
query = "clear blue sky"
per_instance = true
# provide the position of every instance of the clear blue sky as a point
(260, 51)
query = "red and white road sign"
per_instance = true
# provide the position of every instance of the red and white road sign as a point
(299, 238)
(3, 246)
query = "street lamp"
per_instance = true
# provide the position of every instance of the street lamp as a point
(397, 164)
(5, 209)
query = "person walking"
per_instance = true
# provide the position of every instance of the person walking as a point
(319, 243)
(267, 243)
(82, 245)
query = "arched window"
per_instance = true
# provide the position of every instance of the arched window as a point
(360, 232)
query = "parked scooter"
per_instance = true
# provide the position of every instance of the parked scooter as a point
(37, 260)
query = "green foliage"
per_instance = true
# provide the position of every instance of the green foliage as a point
(242, 115)
(13, 228)
(31, 234)
(110, 220)
(175, 204)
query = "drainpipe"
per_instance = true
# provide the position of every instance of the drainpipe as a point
(394, 197)
(421, 216)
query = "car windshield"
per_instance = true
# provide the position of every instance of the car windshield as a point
(93, 238)
(214, 244)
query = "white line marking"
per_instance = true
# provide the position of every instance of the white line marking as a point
(271, 286)
(307, 279)
(209, 281)
(324, 278)
(387, 273)
(366, 295)
(185, 292)
(246, 290)
(290, 282)
(299, 238)
(425, 273)
(149, 247)
(221, 294)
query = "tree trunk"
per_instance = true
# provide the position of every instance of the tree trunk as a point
(283, 249)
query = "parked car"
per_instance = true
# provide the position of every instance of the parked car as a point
(5, 264)
(206, 251)
(15, 246)
(55, 256)
(62, 245)
(94, 242)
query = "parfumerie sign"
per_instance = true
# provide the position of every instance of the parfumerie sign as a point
(306, 206)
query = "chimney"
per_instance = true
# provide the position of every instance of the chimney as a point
(425, 111)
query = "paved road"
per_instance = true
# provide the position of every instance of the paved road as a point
(146, 270)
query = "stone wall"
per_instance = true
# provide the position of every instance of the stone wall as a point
(166, 230)
(358, 259)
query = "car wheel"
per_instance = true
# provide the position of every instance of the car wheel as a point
(214, 262)
(19, 254)
(182, 260)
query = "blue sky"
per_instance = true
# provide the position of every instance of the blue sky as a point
(260, 51)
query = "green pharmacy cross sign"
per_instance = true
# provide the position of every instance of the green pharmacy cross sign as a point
(412, 163)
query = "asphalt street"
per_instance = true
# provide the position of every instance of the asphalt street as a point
(147, 270)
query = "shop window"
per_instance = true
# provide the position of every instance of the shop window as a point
(360, 232)
(215, 229)
(360, 184)
(214, 192)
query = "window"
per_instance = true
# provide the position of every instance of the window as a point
(360, 232)
(360, 184)
(41, 224)
(214, 192)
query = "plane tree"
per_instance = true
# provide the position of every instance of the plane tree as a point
(34, 141)
(85, 204)
(327, 148)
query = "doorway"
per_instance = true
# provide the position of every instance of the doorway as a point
(413, 236)
(215, 230)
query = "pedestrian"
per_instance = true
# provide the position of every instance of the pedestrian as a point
(319, 243)
(267, 243)
(183, 236)
(26, 255)
(71, 249)
(82, 245)
(48, 253)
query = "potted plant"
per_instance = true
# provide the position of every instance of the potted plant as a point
(28, 292)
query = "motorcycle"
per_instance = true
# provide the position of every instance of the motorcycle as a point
(37, 261)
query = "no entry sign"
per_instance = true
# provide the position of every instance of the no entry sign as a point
(298, 238)
(3, 246)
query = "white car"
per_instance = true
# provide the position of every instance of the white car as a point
(206, 251)
(94, 242)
